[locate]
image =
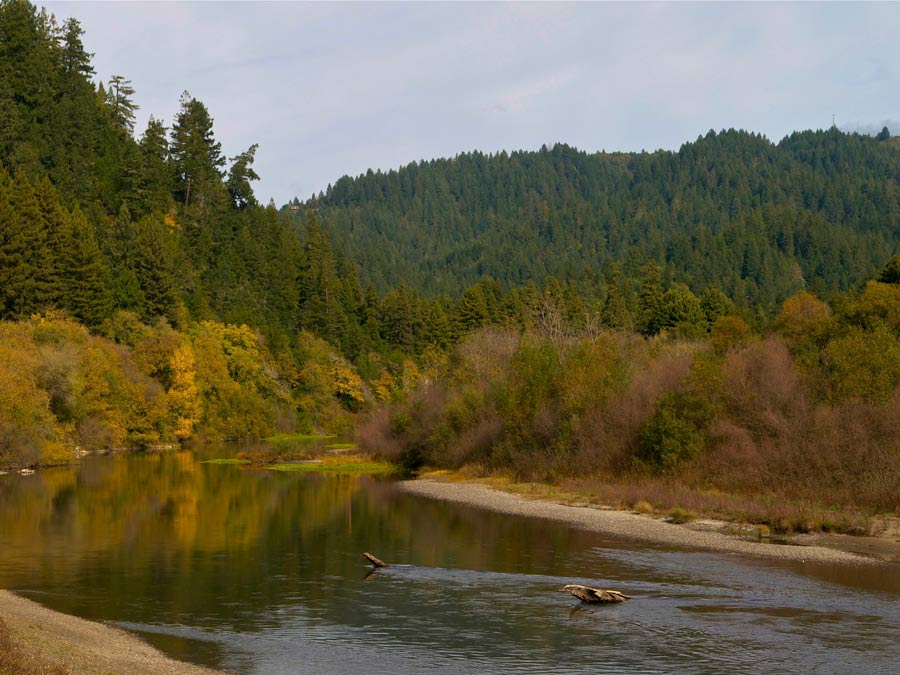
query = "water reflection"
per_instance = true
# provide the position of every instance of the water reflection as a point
(260, 572)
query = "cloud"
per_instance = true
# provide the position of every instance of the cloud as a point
(328, 89)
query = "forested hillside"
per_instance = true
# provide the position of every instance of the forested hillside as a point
(145, 296)
(818, 211)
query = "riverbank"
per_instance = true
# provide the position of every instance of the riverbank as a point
(36, 640)
(701, 533)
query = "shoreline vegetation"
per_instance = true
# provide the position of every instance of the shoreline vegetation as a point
(795, 429)
(334, 461)
(35, 640)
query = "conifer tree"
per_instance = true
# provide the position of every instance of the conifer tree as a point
(471, 311)
(513, 313)
(12, 251)
(156, 174)
(397, 321)
(371, 320)
(76, 61)
(86, 287)
(715, 304)
(121, 105)
(153, 269)
(27, 45)
(891, 272)
(615, 312)
(24, 254)
(54, 222)
(196, 155)
(10, 124)
(75, 122)
(436, 330)
(684, 312)
(239, 176)
(652, 310)
(121, 251)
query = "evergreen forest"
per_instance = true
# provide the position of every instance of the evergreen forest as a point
(756, 220)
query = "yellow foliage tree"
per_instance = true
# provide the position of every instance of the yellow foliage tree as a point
(803, 317)
(878, 303)
(183, 395)
(729, 332)
(863, 365)
(239, 392)
(348, 387)
(384, 386)
(411, 375)
(26, 422)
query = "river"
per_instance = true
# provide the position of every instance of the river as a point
(257, 571)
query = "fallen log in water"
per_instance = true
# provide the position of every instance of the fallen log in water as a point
(375, 561)
(594, 595)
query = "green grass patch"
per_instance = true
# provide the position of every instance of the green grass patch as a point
(349, 467)
(225, 461)
(340, 446)
(296, 438)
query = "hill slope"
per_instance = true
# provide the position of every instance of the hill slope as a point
(819, 210)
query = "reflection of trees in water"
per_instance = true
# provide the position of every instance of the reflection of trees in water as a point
(160, 502)
(159, 515)
(163, 538)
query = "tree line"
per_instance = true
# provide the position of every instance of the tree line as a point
(754, 219)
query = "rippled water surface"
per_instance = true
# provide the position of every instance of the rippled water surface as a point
(260, 572)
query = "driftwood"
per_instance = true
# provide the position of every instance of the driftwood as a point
(594, 595)
(375, 561)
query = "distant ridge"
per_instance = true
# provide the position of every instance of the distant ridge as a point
(818, 210)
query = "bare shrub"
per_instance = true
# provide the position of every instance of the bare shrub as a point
(765, 407)
(93, 433)
(762, 388)
(484, 354)
(374, 435)
(474, 445)
(406, 432)
(609, 434)
(773, 438)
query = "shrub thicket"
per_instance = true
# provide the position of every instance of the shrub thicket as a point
(63, 389)
(811, 410)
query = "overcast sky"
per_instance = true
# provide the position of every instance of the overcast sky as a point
(329, 89)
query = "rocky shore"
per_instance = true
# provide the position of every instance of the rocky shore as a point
(706, 534)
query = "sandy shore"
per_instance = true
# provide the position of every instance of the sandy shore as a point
(39, 640)
(706, 534)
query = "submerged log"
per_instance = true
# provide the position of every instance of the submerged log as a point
(375, 561)
(594, 595)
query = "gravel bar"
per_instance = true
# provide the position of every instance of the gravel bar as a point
(51, 642)
(624, 524)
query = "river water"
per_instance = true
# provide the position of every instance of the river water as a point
(257, 571)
